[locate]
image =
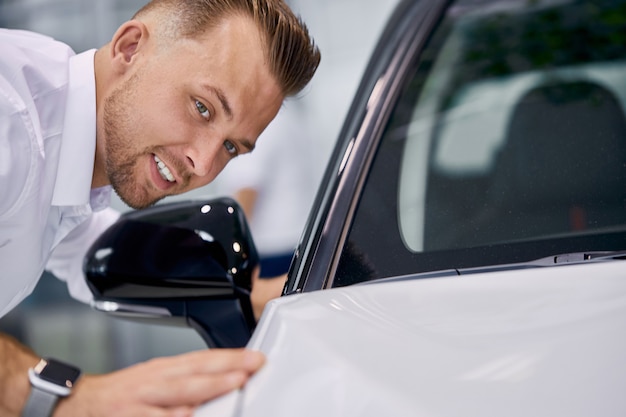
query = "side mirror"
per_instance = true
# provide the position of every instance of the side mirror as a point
(185, 263)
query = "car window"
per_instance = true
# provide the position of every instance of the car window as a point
(510, 130)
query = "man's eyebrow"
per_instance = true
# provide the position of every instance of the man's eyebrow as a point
(247, 144)
(222, 99)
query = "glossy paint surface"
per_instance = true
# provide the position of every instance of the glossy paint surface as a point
(540, 342)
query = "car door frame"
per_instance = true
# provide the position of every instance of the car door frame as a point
(403, 40)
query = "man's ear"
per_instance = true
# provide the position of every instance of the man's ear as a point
(126, 44)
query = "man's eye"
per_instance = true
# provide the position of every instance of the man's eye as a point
(204, 111)
(230, 148)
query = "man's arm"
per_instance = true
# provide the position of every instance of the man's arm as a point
(164, 387)
(265, 290)
(15, 359)
(246, 197)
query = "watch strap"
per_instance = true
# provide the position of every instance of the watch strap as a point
(40, 403)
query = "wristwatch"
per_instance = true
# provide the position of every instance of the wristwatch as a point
(49, 380)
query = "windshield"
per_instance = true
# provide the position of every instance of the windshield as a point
(507, 144)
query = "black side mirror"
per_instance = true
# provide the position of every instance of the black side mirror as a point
(185, 263)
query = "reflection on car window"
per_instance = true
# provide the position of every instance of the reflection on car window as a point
(515, 131)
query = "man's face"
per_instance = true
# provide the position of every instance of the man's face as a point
(175, 122)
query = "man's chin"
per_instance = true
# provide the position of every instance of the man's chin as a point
(136, 200)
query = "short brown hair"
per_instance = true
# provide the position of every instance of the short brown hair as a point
(292, 55)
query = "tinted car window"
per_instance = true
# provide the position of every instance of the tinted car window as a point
(507, 143)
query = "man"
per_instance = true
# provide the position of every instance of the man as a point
(181, 89)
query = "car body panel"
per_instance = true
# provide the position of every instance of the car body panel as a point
(477, 345)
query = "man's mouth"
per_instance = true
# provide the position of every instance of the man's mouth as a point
(165, 172)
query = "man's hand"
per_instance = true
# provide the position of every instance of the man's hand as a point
(164, 387)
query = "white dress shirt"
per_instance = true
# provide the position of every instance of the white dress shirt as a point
(49, 216)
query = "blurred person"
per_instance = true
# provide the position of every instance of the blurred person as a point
(275, 187)
(180, 90)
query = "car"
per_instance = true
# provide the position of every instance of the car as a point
(465, 252)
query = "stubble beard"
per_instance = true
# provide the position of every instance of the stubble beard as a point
(121, 157)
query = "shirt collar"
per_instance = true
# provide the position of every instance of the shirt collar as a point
(78, 142)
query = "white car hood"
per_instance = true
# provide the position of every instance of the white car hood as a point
(532, 342)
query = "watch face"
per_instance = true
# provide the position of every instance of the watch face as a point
(59, 373)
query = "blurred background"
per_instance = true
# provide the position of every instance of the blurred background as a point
(53, 324)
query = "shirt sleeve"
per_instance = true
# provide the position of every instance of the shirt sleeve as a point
(66, 261)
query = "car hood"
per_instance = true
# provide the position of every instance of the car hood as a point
(540, 342)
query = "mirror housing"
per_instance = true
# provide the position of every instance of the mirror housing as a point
(186, 263)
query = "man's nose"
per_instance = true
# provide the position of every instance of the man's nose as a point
(201, 155)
